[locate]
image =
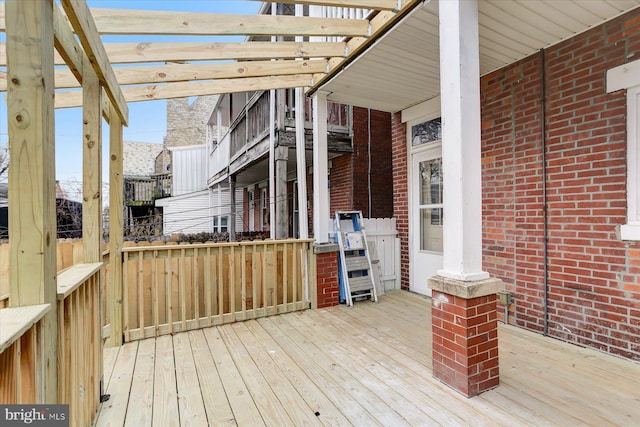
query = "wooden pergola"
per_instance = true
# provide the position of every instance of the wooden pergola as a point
(41, 35)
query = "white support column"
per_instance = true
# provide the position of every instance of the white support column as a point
(301, 163)
(320, 169)
(461, 157)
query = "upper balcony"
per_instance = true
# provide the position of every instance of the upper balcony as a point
(144, 190)
(251, 128)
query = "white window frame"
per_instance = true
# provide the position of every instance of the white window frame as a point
(631, 230)
(627, 76)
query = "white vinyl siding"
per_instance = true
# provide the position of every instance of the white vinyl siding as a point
(186, 214)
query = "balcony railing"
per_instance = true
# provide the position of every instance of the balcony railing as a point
(144, 190)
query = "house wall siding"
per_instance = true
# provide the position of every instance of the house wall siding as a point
(593, 284)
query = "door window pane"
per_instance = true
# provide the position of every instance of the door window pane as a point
(430, 210)
(431, 182)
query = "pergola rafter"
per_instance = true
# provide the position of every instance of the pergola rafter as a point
(150, 52)
(264, 65)
(171, 23)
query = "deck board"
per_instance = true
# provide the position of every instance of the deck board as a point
(369, 365)
(141, 414)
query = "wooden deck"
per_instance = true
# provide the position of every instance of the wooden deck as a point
(361, 366)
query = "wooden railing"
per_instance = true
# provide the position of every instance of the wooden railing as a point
(168, 289)
(21, 370)
(80, 341)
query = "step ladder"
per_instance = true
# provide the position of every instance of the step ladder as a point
(356, 271)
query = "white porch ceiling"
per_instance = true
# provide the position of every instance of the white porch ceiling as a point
(402, 68)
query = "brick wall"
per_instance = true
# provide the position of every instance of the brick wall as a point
(401, 192)
(349, 174)
(465, 342)
(592, 275)
(187, 123)
(327, 279)
(372, 163)
(593, 281)
(341, 184)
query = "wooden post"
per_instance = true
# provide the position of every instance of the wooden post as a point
(114, 285)
(301, 143)
(91, 166)
(32, 193)
(282, 217)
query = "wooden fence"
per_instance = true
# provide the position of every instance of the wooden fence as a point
(172, 288)
(79, 346)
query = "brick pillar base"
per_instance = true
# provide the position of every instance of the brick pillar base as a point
(327, 281)
(465, 334)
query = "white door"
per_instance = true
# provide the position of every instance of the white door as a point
(425, 223)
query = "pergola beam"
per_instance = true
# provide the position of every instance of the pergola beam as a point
(66, 45)
(71, 99)
(160, 22)
(358, 4)
(127, 53)
(65, 79)
(85, 28)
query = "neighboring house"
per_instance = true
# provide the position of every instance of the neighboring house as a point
(359, 147)
(143, 184)
(188, 211)
(68, 212)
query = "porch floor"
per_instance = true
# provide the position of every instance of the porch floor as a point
(367, 365)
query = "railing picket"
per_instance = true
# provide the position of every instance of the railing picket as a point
(232, 280)
(220, 284)
(125, 296)
(155, 292)
(264, 280)
(196, 287)
(285, 276)
(141, 302)
(181, 284)
(243, 280)
(207, 286)
(169, 289)
(254, 279)
(274, 272)
(294, 274)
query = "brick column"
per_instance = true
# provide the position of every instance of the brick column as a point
(327, 274)
(465, 334)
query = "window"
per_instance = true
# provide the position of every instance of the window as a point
(428, 131)
(627, 76)
(220, 224)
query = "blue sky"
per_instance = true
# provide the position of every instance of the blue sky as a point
(147, 120)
